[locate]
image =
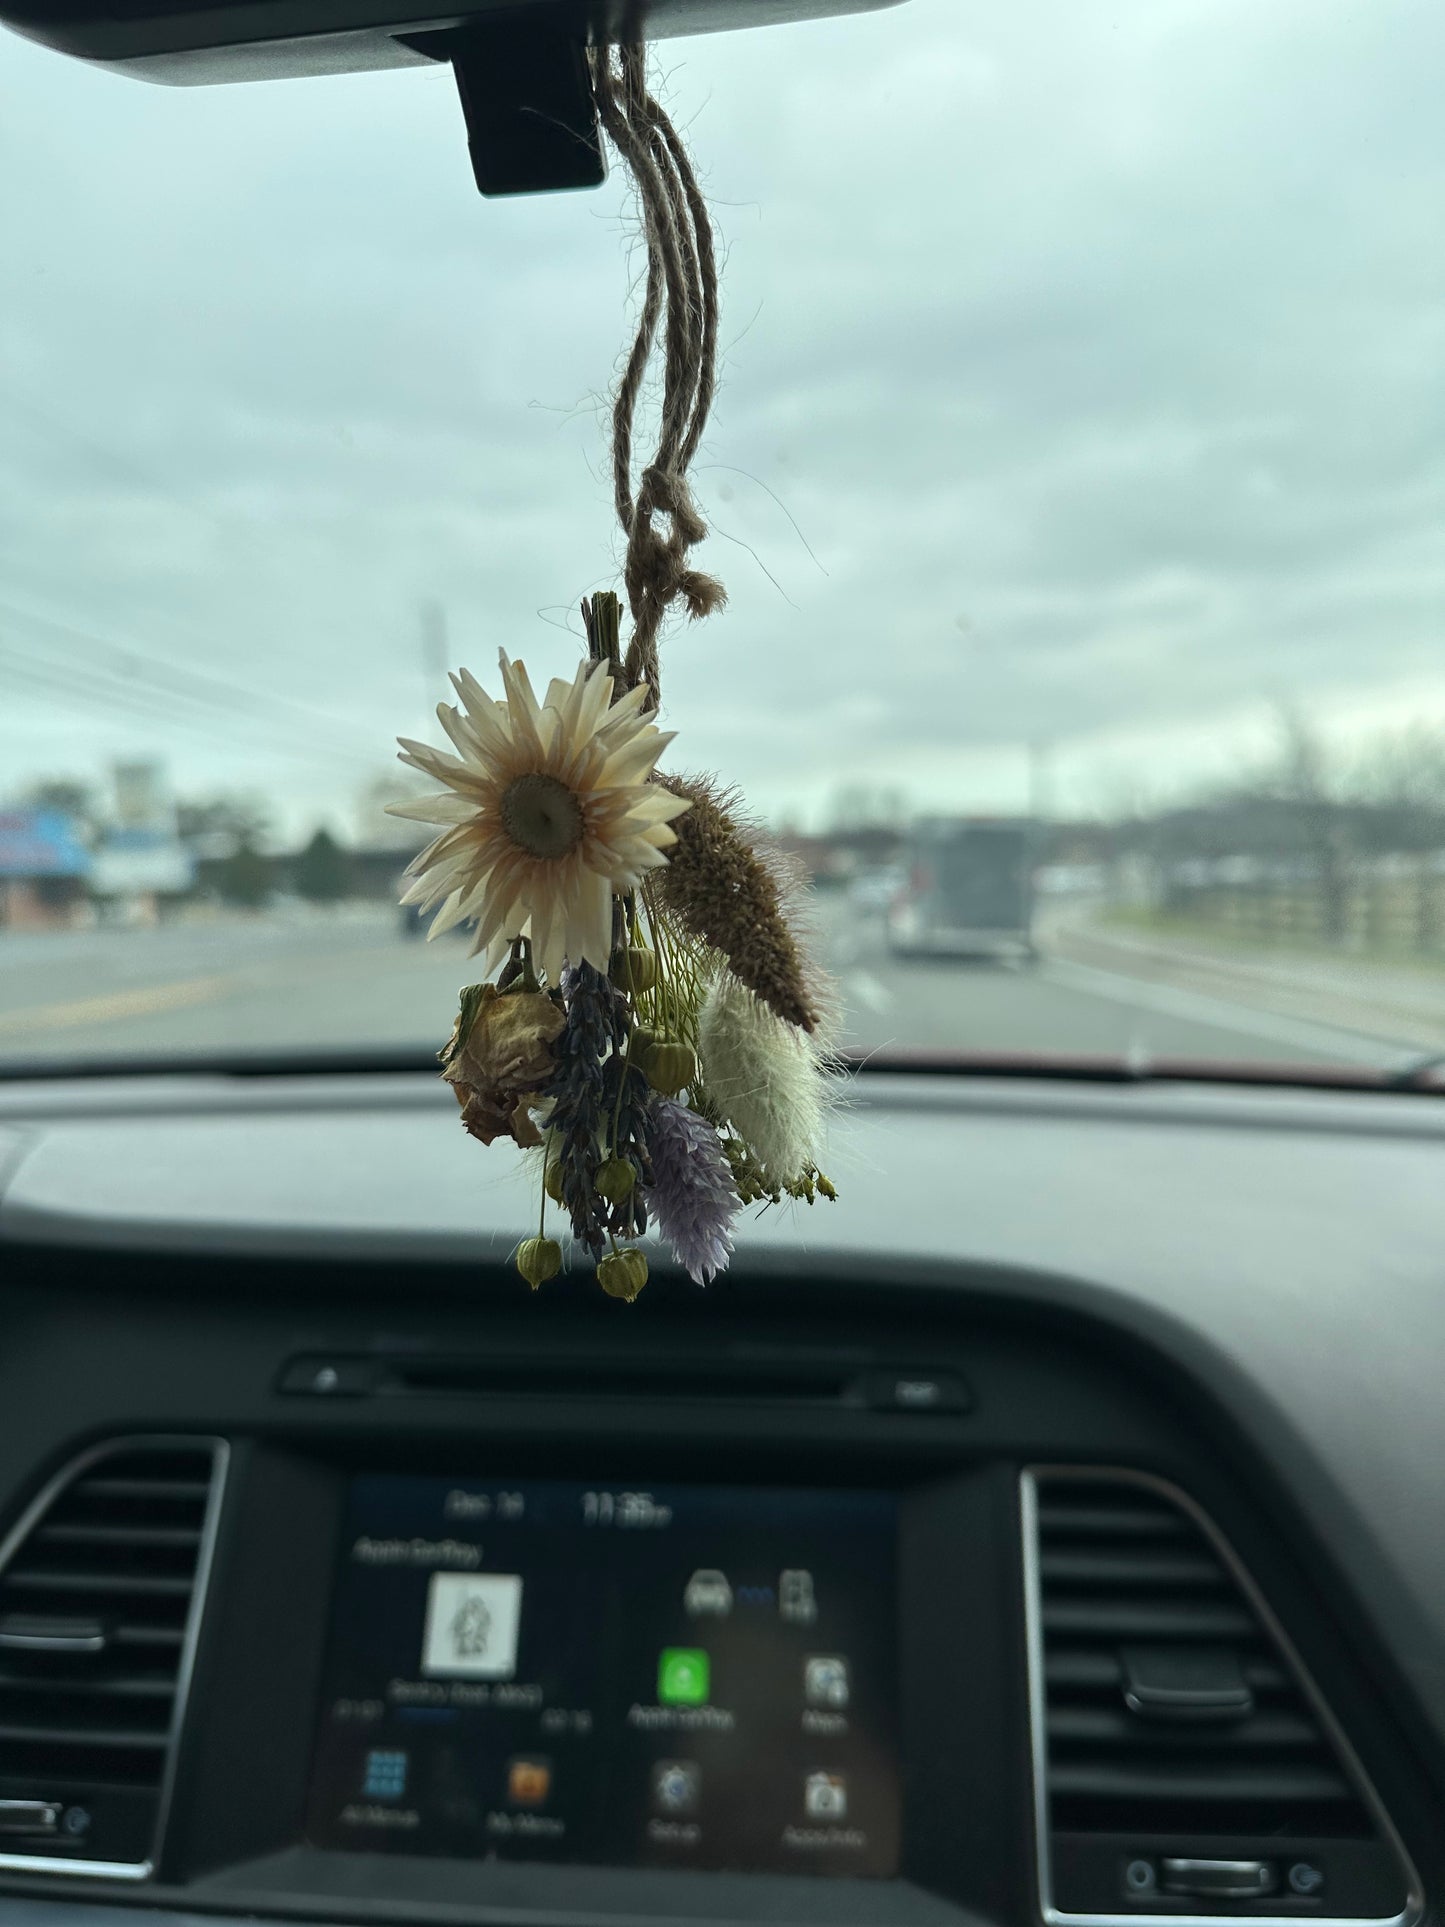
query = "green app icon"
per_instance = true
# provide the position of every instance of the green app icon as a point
(683, 1676)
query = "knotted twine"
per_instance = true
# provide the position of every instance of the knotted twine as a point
(680, 300)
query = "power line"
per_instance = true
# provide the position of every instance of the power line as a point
(137, 680)
(193, 684)
(92, 690)
(106, 693)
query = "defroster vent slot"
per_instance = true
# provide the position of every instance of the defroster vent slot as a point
(760, 1382)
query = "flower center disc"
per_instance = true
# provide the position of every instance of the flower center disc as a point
(542, 816)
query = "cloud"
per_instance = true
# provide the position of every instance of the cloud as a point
(1082, 384)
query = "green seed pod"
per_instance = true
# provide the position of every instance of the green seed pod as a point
(552, 1181)
(539, 1259)
(669, 1068)
(634, 969)
(622, 1274)
(614, 1180)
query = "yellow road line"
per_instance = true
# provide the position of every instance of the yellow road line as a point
(143, 1002)
(151, 999)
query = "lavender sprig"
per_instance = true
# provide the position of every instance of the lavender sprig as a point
(599, 1110)
(692, 1194)
(578, 1092)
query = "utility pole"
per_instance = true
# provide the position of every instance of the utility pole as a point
(434, 652)
(1041, 775)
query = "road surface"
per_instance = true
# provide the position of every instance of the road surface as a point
(293, 981)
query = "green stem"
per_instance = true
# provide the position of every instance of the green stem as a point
(617, 1107)
(662, 951)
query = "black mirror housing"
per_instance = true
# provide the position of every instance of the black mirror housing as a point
(521, 65)
(197, 42)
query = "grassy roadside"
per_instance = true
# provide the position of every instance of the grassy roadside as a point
(1231, 940)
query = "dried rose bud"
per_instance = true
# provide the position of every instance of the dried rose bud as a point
(622, 1274)
(634, 969)
(614, 1180)
(539, 1259)
(669, 1068)
(501, 1053)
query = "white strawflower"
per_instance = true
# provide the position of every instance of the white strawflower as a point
(549, 814)
(763, 1075)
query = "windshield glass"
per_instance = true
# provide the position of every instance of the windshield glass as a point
(1076, 476)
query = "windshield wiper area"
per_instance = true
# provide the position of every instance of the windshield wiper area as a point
(1423, 1075)
(1137, 1067)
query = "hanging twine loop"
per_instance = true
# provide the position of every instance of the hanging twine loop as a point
(660, 518)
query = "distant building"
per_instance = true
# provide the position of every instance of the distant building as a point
(140, 861)
(142, 796)
(137, 867)
(44, 868)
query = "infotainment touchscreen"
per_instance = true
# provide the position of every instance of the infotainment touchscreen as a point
(669, 1675)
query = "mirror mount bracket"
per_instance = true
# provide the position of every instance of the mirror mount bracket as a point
(526, 94)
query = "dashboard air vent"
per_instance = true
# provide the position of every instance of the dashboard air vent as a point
(1167, 1703)
(101, 1586)
(1174, 1730)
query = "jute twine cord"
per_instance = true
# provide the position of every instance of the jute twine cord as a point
(681, 298)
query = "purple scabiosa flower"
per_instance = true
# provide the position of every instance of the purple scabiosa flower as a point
(692, 1194)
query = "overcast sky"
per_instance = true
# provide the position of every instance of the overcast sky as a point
(1096, 351)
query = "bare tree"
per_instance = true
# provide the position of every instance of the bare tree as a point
(244, 818)
(1312, 784)
(67, 794)
(1401, 778)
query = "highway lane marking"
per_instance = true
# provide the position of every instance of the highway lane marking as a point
(144, 1001)
(1168, 1000)
(867, 990)
(150, 1000)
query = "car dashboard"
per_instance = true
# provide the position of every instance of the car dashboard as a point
(1049, 1530)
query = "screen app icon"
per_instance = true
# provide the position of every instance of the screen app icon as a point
(825, 1796)
(472, 1622)
(529, 1781)
(684, 1676)
(825, 1681)
(676, 1786)
(707, 1594)
(384, 1777)
(797, 1602)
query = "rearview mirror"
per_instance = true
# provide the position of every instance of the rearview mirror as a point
(520, 64)
(199, 41)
